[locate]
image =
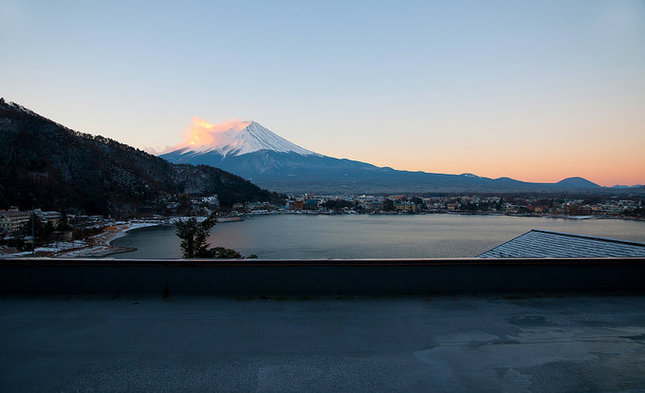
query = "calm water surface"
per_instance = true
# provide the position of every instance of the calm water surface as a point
(368, 236)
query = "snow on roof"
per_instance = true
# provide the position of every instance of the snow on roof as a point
(539, 243)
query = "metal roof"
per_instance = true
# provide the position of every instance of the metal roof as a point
(538, 243)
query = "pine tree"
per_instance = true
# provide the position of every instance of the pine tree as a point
(193, 236)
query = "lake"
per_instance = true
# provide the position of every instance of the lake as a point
(370, 236)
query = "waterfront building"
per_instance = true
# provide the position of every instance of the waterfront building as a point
(13, 219)
(404, 206)
(311, 204)
(48, 216)
(374, 206)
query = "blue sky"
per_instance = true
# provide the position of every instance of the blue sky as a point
(533, 90)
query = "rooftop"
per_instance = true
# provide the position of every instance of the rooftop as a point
(539, 243)
(322, 344)
(105, 325)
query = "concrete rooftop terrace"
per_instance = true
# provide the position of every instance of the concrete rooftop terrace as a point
(192, 326)
(322, 344)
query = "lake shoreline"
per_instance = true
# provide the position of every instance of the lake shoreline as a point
(350, 236)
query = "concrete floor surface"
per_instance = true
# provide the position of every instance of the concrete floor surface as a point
(415, 344)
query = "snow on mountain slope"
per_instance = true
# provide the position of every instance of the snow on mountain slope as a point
(235, 138)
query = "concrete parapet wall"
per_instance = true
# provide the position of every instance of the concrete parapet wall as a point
(320, 277)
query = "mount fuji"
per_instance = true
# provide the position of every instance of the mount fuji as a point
(237, 138)
(254, 152)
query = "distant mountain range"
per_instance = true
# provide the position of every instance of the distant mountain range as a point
(256, 153)
(44, 164)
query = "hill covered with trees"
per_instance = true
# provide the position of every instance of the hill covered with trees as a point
(47, 165)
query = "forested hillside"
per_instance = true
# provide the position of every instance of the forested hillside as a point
(44, 164)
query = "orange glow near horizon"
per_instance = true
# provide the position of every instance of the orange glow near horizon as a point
(547, 158)
(608, 169)
(528, 173)
(531, 156)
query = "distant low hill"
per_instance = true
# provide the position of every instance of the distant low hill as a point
(256, 153)
(44, 164)
(576, 183)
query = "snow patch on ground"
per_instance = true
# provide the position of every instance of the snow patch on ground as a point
(136, 225)
(95, 246)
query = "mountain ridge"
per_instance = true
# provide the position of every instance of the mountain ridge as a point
(296, 173)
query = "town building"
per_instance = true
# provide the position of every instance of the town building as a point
(311, 204)
(404, 206)
(13, 219)
(52, 217)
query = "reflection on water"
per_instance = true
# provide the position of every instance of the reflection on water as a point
(367, 236)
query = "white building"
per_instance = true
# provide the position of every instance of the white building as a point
(13, 219)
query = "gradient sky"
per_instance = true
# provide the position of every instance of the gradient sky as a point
(537, 91)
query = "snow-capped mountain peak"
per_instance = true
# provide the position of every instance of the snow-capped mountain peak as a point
(235, 138)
